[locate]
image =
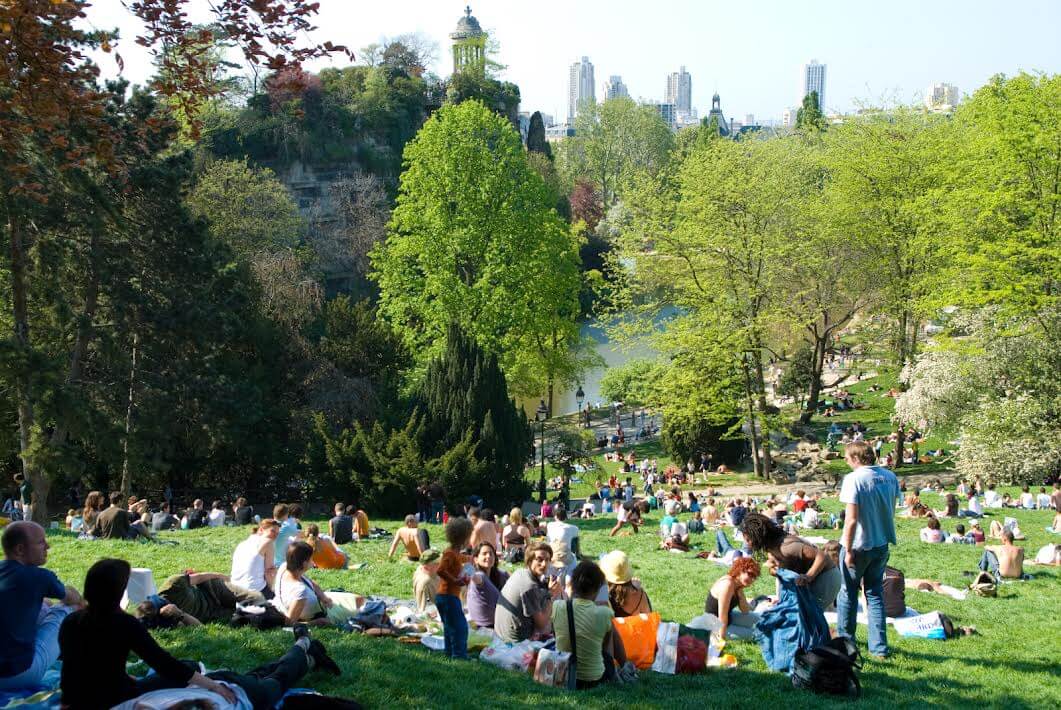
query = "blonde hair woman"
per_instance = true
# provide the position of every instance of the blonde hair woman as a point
(515, 536)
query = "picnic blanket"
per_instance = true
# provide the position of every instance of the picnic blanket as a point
(43, 697)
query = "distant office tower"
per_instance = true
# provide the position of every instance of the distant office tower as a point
(667, 111)
(749, 119)
(680, 91)
(942, 97)
(580, 87)
(788, 117)
(615, 88)
(814, 80)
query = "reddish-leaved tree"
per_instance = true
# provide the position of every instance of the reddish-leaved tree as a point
(55, 137)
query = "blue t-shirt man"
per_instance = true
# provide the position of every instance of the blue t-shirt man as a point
(875, 490)
(870, 493)
(22, 590)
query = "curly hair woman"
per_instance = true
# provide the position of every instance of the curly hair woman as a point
(727, 603)
(794, 553)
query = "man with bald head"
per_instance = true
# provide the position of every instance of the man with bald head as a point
(29, 629)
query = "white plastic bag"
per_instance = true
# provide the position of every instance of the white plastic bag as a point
(666, 648)
(511, 656)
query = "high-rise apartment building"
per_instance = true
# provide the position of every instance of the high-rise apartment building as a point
(680, 91)
(580, 87)
(942, 98)
(788, 117)
(615, 88)
(667, 111)
(814, 80)
(749, 119)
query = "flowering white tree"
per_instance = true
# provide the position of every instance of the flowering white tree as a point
(997, 388)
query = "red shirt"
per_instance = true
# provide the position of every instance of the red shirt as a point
(799, 505)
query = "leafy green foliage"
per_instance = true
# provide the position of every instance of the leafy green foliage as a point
(796, 379)
(474, 240)
(247, 208)
(612, 142)
(631, 383)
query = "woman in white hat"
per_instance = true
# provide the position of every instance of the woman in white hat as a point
(625, 594)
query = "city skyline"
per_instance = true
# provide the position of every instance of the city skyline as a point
(877, 54)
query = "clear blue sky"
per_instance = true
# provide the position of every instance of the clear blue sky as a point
(751, 54)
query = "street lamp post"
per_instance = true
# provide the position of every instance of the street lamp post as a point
(541, 415)
(580, 396)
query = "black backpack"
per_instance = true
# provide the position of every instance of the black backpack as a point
(829, 668)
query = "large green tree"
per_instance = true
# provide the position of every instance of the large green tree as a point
(999, 192)
(612, 142)
(474, 240)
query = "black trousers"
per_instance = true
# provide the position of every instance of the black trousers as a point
(266, 684)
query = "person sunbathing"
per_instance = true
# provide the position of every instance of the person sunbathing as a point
(411, 537)
(1005, 560)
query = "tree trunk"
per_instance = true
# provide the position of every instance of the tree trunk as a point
(760, 383)
(549, 394)
(820, 346)
(752, 434)
(126, 482)
(23, 380)
(899, 442)
(900, 349)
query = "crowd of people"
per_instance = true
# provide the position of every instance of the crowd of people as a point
(553, 591)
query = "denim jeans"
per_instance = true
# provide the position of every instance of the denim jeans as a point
(723, 545)
(867, 573)
(454, 625)
(45, 649)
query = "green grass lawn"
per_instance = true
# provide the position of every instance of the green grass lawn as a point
(1013, 663)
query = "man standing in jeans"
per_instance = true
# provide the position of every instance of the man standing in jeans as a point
(870, 494)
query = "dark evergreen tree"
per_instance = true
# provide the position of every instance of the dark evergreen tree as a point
(536, 142)
(809, 117)
(464, 394)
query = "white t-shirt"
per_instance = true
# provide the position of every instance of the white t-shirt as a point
(248, 565)
(1043, 500)
(561, 536)
(216, 518)
(810, 518)
(974, 506)
(165, 699)
(671, 506)
(621, 513)
(289, 591)
(679, 529)
(992, 499)
(1027, 500)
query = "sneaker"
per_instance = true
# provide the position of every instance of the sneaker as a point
(300, 630)
(321, 659)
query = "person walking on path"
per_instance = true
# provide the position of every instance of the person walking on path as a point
(870, 493)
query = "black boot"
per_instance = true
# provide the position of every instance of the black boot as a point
(321, 659)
